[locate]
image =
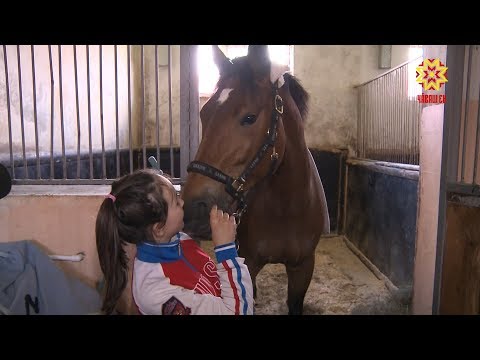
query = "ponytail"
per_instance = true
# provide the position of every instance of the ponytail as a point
(112, 256)
(135, 202)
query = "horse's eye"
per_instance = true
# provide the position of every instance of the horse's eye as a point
(248, 120)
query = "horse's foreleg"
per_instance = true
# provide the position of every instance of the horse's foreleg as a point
(299, 277)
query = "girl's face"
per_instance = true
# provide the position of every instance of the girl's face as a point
(174, 222)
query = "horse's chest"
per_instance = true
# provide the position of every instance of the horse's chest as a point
(275, 230)
(276, 245)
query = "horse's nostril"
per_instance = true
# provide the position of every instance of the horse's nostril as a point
(202, 208)
(196, 219)
(196, 209)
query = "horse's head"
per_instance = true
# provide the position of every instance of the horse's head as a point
(243, 137)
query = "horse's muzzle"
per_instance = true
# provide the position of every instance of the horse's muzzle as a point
(197, 219)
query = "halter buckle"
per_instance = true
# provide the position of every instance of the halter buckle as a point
(238, 214)
(237, 184)
(279, 104)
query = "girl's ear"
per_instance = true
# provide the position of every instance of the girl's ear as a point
(158, 230)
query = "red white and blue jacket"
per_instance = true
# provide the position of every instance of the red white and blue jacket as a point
(180, 278)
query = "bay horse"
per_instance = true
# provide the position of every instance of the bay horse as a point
(253, 162)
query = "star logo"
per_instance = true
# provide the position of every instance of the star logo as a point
(432, 74)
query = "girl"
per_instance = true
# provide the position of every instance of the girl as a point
(171, 273)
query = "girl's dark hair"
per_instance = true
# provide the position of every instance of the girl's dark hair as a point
(138, 204)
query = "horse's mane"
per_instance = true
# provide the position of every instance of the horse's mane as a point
(299, 94)
(244, 72)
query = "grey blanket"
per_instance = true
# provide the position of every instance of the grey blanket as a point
(32, 284)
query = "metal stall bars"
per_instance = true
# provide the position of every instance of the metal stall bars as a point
(388, 116)
(102, 90)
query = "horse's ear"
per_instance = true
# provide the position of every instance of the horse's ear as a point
(259, 58)
(223, 63)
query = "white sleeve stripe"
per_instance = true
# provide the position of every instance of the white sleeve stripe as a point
(225, 248)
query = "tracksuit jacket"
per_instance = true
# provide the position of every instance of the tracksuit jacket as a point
(179, 278)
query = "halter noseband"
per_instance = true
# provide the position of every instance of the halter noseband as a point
(234, 185)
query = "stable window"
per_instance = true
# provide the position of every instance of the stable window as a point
(208, 72)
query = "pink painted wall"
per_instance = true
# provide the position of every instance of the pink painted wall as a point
(64, 224)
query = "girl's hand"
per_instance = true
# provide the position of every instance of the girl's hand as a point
(224, 227)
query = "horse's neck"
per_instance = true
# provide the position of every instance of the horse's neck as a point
(295, 190)
(275, 197)
(296, 167)
(296, 161)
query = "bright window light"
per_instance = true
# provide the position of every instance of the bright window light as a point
(208, 72)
